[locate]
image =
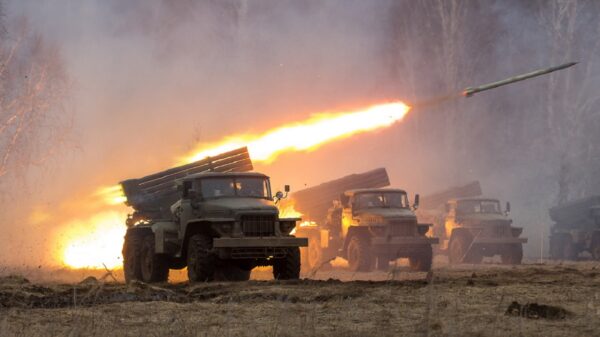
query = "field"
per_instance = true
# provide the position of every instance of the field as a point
(451, 301)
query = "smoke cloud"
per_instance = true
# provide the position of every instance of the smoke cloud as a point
(152, 79)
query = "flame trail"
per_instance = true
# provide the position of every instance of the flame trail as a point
(97, 241)
(307, 135)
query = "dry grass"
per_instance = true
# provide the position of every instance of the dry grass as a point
(465, 301)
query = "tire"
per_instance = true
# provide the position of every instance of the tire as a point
(201, 260)
(287, 268)
(359, 254)
(512, 254)
(457, 248)
(383, 263)
(132, 267)
(232, 273)
(154, 267)
(556, 247)
(595, 247)
(312, 256)
(562, 247)
(422, 261)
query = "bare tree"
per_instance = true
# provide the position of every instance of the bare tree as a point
(33, 86)
(572, 100)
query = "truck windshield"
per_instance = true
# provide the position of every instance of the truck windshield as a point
(247, 187)
(379, 200)
(478, 206)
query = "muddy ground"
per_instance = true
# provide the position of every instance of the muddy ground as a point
(452, 301)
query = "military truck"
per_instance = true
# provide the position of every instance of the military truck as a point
(213, 217)
(365, 224)
(576, 229)
(471, 227)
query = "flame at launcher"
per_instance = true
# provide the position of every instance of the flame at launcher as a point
(286, 210)
(112, 195)
(307, 135)
(95, 242)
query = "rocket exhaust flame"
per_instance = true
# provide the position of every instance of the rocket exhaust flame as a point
(96, 242)
(307, 135)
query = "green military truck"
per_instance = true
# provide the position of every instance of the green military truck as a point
(211, 216)
(367, 225)
(471, 227)
(576, 229)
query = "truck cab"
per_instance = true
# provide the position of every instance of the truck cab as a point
(476, 227)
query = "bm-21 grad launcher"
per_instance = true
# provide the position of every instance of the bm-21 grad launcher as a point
(212, 216)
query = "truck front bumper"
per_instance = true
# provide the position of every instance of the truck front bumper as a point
(260, 242)
(499, 241)
(403, 240)
(262, 248)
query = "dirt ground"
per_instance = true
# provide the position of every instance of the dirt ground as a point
(451, 301)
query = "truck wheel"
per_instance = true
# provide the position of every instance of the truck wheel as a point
(132, 267)
(154, 267)
(359, 254)
(200, 259)
(232, 273)
(512, 254)
(422, 261)
(287, 268)
(556, 247)
(312, 255)
(457, 248)
(595, 247)
(383, 263)
(561, 247)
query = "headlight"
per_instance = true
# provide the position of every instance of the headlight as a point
(286, 226)
(223, 227)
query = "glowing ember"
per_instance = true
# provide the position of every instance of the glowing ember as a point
(94, 242)
(112, 195)
(286, 210)
(307, 135)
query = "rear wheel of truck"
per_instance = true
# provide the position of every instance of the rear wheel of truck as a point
(154, 267)
(595, 247)
(359, 254)
(288, 267)
(132, 247)
(561, 247)
(556, 247)
(422, 261)
(512, 254)
(201, 259)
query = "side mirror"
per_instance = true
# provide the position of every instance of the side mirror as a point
(286, 188)
(507, 207)
(416, 203)
(279, 195)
